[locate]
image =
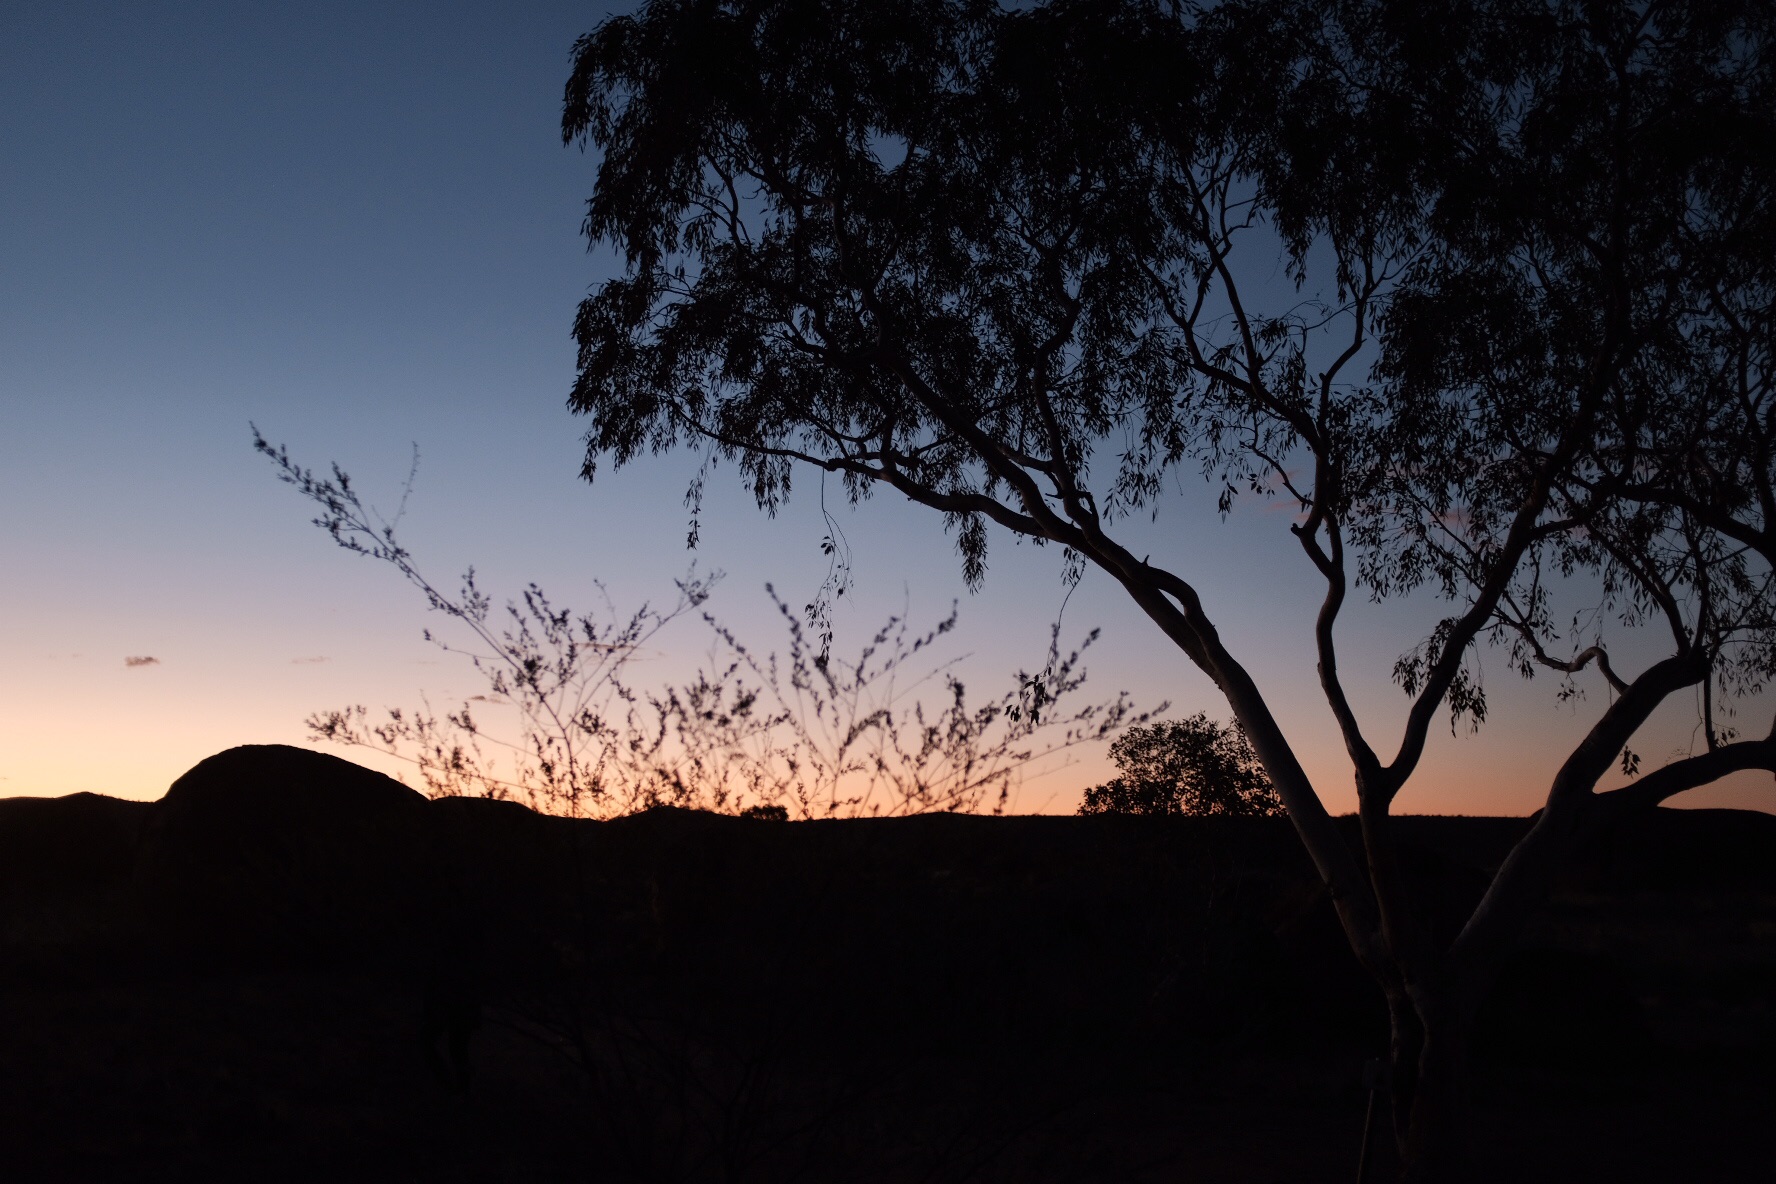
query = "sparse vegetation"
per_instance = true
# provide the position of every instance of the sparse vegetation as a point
(805, 734)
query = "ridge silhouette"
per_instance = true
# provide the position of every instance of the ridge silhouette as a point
(287, 942)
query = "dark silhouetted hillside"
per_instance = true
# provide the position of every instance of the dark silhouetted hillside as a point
(275, 972)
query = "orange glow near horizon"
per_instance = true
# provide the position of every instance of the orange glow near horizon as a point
(51, 753)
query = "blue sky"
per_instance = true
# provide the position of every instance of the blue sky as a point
(355, 226)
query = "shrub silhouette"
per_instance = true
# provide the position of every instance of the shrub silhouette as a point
(809, 734)
(1186, 766)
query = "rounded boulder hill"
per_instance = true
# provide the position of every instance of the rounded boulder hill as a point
(279, 853)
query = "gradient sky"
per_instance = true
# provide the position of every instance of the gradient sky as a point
(355, 226)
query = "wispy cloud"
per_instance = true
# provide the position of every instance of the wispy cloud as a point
(309, 661)
(141, 661)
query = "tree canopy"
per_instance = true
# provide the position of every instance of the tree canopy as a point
(1014, 265)
(1190, 766)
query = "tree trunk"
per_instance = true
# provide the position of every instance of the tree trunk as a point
(1429, 1061)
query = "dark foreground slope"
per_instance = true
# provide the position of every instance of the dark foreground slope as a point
(293, 968)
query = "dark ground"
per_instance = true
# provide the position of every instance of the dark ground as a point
(271, 974)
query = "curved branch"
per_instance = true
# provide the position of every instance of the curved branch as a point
(1331, 564)
(1522, 881)
(1579, 661)
(1691, 773)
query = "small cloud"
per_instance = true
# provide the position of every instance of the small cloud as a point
(141, 662)
(308, 661)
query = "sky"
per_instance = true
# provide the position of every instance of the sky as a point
(355, 226)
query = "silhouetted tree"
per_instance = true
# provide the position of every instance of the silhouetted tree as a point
(1184, 766)
(1016, 266)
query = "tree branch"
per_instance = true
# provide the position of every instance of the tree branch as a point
(1691, 773)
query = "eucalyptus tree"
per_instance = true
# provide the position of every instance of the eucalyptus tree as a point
(1011, 265)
